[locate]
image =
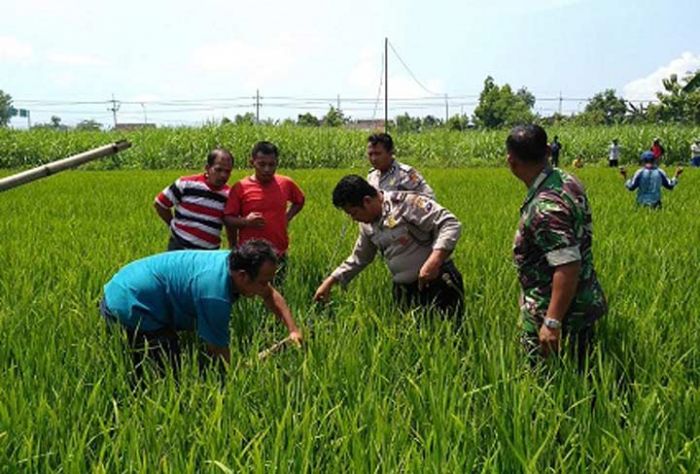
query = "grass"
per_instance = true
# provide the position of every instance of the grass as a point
(374, 390)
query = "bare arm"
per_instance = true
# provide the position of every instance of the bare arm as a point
(293, 210)
(564, 284)
(275, 302)
(164, 213)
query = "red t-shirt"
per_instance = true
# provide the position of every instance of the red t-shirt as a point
(270, 199)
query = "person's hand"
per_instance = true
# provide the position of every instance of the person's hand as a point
(296, 338)
(679, 171)
(255, 219)
(323, 293)
(428, 272)
(550, 340)
(623, 171)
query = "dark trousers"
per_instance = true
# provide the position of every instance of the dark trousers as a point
(578, 345)
(445, 293)
(162, 346)
(613, 163)
(555, 161)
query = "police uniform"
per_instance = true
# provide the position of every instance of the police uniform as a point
(400, 177)
(410, 228)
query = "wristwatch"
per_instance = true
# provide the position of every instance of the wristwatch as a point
(552, 323)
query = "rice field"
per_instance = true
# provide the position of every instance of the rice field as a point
(302, 147)
(373, 390)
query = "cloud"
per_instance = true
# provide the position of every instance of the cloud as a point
(14, 50)
(257, 64)
(76, 59)
(645, 88)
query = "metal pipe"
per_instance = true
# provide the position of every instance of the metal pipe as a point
(57, 166)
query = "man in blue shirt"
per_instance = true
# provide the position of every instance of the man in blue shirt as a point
(648, 181)
(156, 297)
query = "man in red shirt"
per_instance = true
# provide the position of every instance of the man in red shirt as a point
(257, 207)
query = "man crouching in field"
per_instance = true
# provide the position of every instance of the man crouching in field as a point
(416, 237)
(157, 296)
(552, 251)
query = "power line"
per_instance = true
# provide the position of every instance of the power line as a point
(408, 69)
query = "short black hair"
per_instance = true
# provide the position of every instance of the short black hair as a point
(216, 153)
(266, 148)
(351, 191)
(250, 256)
(383, 138)
(528, 143)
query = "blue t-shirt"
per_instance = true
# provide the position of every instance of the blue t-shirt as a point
(184, 290)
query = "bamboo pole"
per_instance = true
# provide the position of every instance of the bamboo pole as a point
(54, 167)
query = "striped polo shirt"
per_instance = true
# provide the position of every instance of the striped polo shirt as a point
(199, 211)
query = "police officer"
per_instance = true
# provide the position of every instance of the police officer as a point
(390, 175)
(416, 237)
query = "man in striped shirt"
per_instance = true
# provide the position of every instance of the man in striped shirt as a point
(199, 203)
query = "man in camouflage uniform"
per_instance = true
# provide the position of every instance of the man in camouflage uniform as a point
(552, 251)
(387, 173)
(416, 237)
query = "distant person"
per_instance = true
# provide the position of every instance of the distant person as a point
(263, 205)
(648, 181)
(578, 162)
(560, 293)
(387, 173)
(614, 154)
(555, 150)
(415, 236)
(155, 298)
(198, 203)
(695, 153)
(657, 150)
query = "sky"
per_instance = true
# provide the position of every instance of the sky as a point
(188, 62)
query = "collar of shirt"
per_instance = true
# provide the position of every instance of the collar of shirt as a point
(541, 178)
(389, 172)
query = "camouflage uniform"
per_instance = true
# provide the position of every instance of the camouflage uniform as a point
(410, 228)
(555, 228)
(400, 177)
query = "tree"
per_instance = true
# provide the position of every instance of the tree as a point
(308, 120)
(429, 122)
(458, 123)
(5, 108)
(605, 108)
(678, 102)
(499, 106)
(89, 125)
(247, 118)
(406, 123)
(334, 118)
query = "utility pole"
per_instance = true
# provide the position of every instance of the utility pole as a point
(447, 110)
(338, 103)
(386, 85)
(560, 101)
(257, 105)
(29, 119)
(145, 115)
(114, 109)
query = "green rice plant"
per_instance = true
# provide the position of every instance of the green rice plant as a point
(374, 389)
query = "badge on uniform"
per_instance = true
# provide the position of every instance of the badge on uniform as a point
(422, 203)
(391, 222)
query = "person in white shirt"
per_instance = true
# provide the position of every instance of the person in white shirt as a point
(695, 153)
(614, 154)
